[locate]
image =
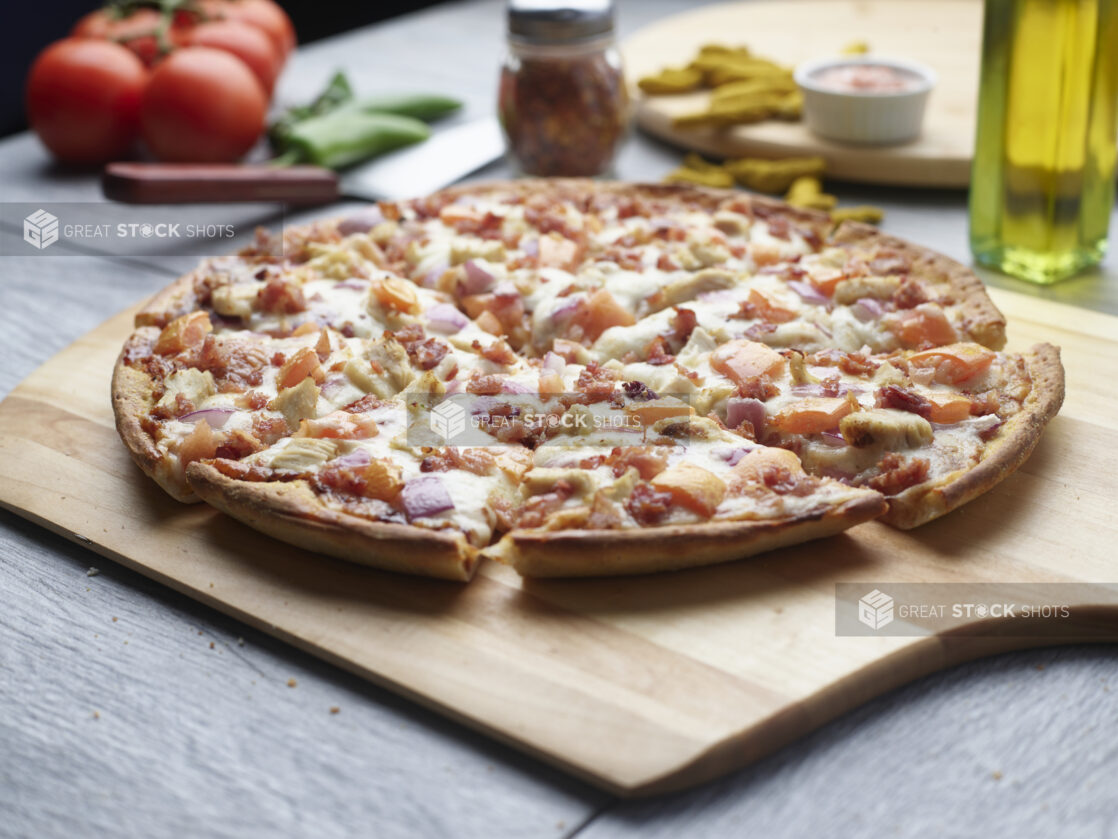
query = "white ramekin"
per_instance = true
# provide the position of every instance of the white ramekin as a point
(864, 117)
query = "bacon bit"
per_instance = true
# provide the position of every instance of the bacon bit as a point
(364, 405)
(682, 324)
(988, 402)
(280, 297)
(856, 364)
(666, 263)
(278, 358)
(234, 364)
(894, 475)
(427, 354)
(556, 252)
(484, 385)
(238, 444)
(254, 400)
(909, 295)
(595, 382)
(499, 352)
(569, 350)
(830, 386)
(893, 396)
(246, 472)
(656, 353)
(302, 364)
(759, 330)
(779, 227)
(200, 444)
(268, 429)
(760, 306)
(647, 505)
(183, 333)
(539, 507)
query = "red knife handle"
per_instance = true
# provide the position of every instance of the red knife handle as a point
(204, 183)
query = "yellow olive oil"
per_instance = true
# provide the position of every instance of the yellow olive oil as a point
(1042, 185)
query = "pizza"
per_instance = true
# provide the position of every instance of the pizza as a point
(577, 378)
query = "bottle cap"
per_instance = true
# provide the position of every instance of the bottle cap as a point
(548, 22)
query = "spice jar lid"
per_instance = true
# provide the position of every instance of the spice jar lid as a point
(549, 22)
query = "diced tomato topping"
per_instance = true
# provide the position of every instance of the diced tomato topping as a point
(924, 326)
(183, 333)
(812, 415)
(693, 487)
(955, 363)
(742, 361)
(300, 365)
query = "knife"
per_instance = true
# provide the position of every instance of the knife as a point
(444, 158)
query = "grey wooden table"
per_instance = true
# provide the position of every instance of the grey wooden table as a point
(129, 710)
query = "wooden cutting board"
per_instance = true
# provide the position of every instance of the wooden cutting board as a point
(944, 34)
(639, 685)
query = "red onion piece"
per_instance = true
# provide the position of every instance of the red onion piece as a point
(332, 385)
(423, 497)
(567, 309)
(808, 292)
(478, 279)
(867, 309)
(831, 439)
(453, 386)
(353, 459)
(353, 284)
(361, 221)
(722, 295)
(431, 278)
(554, 362)
(214, 417)
(732, 456)
(506, 289)
(510, 386)
(445, 318)
(817, 390)
(530, 247)
(738, 409)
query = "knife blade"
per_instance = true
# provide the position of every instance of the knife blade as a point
(449, 155)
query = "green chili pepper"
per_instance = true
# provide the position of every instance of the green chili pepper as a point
(338, 91)
(344, 137)
(424, 106)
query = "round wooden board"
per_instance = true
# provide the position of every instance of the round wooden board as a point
(944, 34)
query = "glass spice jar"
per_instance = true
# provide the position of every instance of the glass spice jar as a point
(562, 99)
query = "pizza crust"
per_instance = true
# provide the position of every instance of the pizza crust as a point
(133, 399)
(291, 512)
(1002, 456)
(602, 553)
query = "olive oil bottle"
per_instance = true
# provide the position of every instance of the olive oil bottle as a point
(1042, 185)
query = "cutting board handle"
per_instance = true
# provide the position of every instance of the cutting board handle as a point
(205, 183)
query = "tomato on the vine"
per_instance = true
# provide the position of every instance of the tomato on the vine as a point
(202, 104)
(263, 14)
(83, 99)
(246, 42)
